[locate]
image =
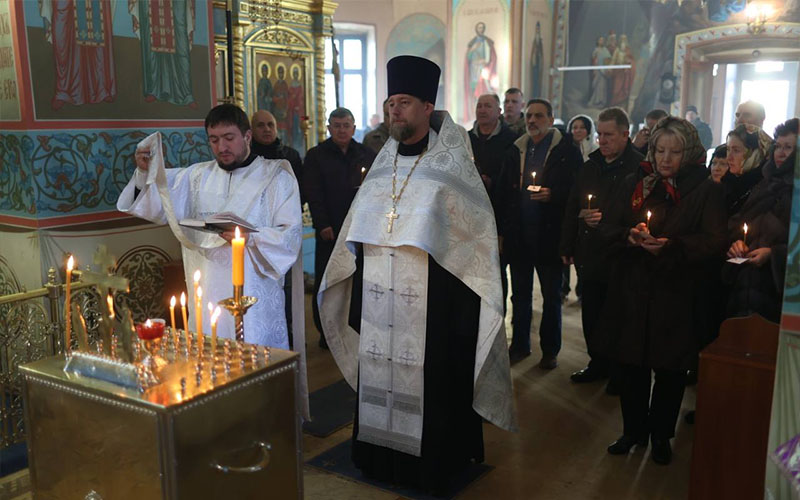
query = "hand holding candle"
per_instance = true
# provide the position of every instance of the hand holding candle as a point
(533, 187)
(67, 309)
(238, 259)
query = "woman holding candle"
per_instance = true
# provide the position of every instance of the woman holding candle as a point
(657, 314)
(757, 285)
(747, 151)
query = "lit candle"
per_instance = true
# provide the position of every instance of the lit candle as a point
(238, 259)
(198, 308)
(745, 234)
(196, 284)
(534, 179)
(183, 311)
(67, 311)
(589, 206)
(172, 311)
(647, 224)
(363, 173)
(110, 302)
(214, 317)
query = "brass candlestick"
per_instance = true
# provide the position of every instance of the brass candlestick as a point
(238, 306)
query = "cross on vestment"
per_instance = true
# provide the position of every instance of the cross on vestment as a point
(409, 296)
(374, 352)
(391, 216)
(407, 358)
(376, 291)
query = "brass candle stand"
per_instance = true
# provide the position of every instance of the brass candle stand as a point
(238, 306)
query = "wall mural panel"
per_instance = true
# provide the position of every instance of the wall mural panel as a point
(111, 60)
(480, 51)
(280, 87)
(536, 48)
(69, 173)
(9, 96)
(420, 35)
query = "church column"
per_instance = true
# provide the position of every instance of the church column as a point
(238, 65)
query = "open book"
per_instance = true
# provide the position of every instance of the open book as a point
(219, 223)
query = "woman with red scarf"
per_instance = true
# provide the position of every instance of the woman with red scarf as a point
(667, 232)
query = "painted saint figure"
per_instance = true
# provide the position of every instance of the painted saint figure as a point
(83, 55)
(297, 109)
(165, 29)
(598, 98)
(622, 79)
(480, 68)
(280, 103)
(537, 62)
(264, 89)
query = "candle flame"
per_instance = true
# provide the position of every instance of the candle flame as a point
(534, 175)
(148, 323)
(172, 302)
(183, 299)
(199, 292)
(237, 233)
(745, 228)
(197, 276)
(215, 316)
(210, 308)
(363, 170)
(649, 214)
(110, 301)
(70, 263)
(590, 196)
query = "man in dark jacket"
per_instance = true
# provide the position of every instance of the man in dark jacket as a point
(537, 177)
(377, 137)
(596, 186)
(267, 144)
(490, 139)
(333, 172)
(703, 130)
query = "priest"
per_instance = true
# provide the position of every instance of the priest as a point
(412, 297)
(263, 192)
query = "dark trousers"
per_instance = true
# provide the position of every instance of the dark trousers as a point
(522, 268)
(322, 254)
(643, 413)
(592, 300)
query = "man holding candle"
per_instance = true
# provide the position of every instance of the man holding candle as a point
(411, 300)
(599, 178)
(333, 173)
(263, 192)
(532, 226)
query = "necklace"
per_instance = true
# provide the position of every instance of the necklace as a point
(391, 216)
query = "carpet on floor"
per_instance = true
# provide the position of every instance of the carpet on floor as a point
(338, 460)
(331, 408)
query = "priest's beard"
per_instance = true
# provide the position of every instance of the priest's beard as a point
(402, 133)
(237, 161)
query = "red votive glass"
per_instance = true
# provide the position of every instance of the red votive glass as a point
(151, 329)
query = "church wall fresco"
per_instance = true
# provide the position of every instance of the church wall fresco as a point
(9, 96)
(479, 54)
(420, 35)
(536, 47)
(108, 60)
(79, 172)
(650, 28)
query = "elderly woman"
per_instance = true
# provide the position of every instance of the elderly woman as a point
(757, 284)
(581, 127)
(663, 232)
(748, 147)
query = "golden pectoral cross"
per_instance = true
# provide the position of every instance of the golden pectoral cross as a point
(391, 216)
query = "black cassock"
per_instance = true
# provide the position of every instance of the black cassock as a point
(452, 433)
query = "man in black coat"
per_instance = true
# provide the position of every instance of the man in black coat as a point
(333, 171)
(267, 144)
(536, 180)
(596, 186)
(490, 138)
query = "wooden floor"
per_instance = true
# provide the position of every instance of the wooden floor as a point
(559, 453)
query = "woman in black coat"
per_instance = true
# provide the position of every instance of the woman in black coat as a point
(657, 309)
(757, 284)
(747, 148)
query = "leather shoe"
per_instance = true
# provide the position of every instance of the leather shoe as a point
(548, 362)
(624, 444)
(661, 452)
(516, 355)
(587, 375)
